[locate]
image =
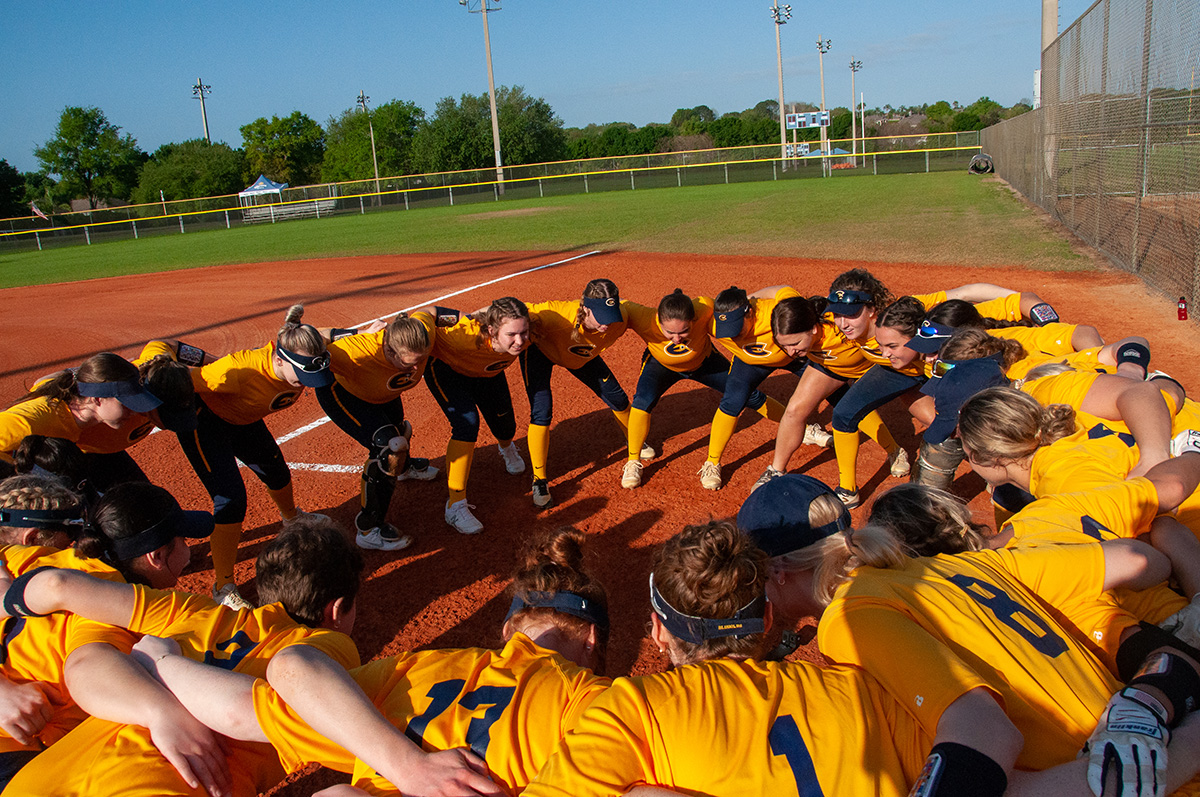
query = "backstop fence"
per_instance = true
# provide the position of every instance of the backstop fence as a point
(881, 155)
(1114, 150)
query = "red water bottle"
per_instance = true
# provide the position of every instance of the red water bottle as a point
(1183, 308)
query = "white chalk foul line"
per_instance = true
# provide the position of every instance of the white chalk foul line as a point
(310, 426)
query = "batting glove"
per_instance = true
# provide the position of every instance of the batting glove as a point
(1130, 741)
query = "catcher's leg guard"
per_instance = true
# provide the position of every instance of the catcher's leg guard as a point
(937, 462)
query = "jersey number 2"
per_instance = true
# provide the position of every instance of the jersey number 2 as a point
(786, 741)
(479, 731)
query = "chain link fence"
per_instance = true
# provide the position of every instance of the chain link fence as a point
(873, 156)
(1114, 151)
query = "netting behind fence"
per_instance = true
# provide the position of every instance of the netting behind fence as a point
(1114, 151)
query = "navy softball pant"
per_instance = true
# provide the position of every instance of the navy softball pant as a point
(536, 368)
(656, 379)
(877, 387)
(465, 398)
(744, 378)
(214, 449)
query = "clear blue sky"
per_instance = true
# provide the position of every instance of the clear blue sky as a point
(622, 60)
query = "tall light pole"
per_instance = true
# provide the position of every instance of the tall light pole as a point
(854, 67)
(823, 46)
(482, 7)
(781, 14)
(362, 103)
(199, 91)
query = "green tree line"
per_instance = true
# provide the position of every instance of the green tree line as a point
(89, 157)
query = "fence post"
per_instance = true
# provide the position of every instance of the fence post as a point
(361, 209)
(227, 219)
(927, 161)
(585, 185)
(272, 208)
(774, 171)
(134, 223)
(38, 236)
(679, 177)
(181, 223)
(87, 234)
(541, 194)
(317, 206)
(406, 200)
(874, 164)
(451, 195)
(726, 174)
(632, 187)
(496, 191)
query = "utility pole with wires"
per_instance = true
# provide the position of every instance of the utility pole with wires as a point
(482, 7)
(854, 67)
(362, 103)
(781, 15)
(199, 91)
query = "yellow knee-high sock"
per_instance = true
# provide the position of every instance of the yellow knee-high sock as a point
(224, 546)
(845, 445)
(622, 417)
(285, 500)
(639, 427)
(459, 454)
(874, 427)
(772, 409)
(723, 425)
(539, 449)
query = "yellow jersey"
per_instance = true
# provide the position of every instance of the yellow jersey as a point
(102, 757)
(1006, 308)
(1051, 340)
(563, 341)
(101, 438)
(757, 346)
(728, 728)
(465, 348)
(39, 415)
(242, 388)
(937, 627)
(510, 706)
(679, 357)
(832, 351)
(874, 354)
(360, 366)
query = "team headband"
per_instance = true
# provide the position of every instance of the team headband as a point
(930, 337)
(565, 602)
(42, 518)
(309, 365)
(604, 307)
(745, 621)
(177, 523)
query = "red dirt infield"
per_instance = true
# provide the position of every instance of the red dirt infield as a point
(447, 589)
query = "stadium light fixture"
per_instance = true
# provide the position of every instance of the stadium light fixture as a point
(781, 14)
(854, 67)
(362, 103)
(199, 92)
(823, 46)
(482, 7)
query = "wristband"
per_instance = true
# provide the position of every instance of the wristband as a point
(445, 316)
(1134, 651)
(1175, 678)
(1042, 314)
(1134, 353)
(338, 332)
(189, 355)
(14, 598)
(954, 769)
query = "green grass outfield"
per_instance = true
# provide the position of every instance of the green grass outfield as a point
(942, 217)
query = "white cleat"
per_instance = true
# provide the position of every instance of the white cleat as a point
(814, 435)
(512, 459)
(459, 516)
(898, 463)
(631, 477)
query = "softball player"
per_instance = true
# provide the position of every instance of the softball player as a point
(1049, 340)
(862, 308)
(57, 662)
(38, 510)
(307, 578)
(235, 393)
(511, 706)
(970, 637)
(372, 370)
(466, 377)
(106, 389)
(677, 347)
(572, 335)
(797, 728)
(743, 325)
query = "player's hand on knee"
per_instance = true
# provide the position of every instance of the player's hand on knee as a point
(451, 773)
(197, 753)
(24, 709)
(1127, 753)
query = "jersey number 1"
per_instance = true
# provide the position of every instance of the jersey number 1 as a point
(786, 741)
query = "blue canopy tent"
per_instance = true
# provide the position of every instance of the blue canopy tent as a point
(263, 189)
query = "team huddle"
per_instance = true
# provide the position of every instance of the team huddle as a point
(1056, 652)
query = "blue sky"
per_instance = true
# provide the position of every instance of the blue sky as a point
(622, 60)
